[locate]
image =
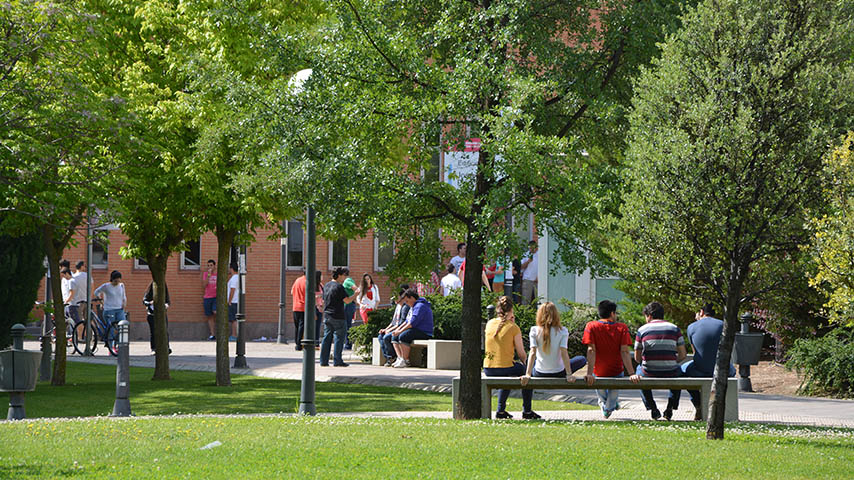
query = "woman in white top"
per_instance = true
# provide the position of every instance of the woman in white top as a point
(549, 357)
(114, 297)
(369, 297)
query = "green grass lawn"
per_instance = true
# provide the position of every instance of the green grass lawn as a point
(355, 448)
(90, 390)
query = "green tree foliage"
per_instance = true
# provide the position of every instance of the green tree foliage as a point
(825, 363)
(543, 85)
(833, 240)
(21, 271)
(728, 133)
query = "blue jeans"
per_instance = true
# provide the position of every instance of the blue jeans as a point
(688, 370)
(114, 315)
(649, 401)
(410, 335)
(385, 345)
(349, 311)
(517, 370)
(333, 328)
(575, 363)
(608, 398)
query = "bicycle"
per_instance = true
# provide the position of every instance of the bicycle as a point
(69, 328)
(98, 329)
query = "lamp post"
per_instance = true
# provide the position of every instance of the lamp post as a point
(45, 372)
(240, 357)
(121, 408)
(307, 389)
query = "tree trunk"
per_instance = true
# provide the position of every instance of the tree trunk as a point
(471, 358)
(157, 267)
(53, 255)
(717, 404)
(224, 238)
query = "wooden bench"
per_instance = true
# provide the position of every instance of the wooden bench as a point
(704, 385)
(441, 354)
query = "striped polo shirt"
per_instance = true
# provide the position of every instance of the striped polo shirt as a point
(657, 341)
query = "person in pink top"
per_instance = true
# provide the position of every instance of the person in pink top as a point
(209, 300)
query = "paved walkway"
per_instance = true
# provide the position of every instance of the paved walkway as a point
(267, 359)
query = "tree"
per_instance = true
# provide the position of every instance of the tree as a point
(832, 247)
(542, 84)
(21, 271)
(726, 141)
(54, 129)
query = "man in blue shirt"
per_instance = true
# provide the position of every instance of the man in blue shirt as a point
(418, 326)
(705, 336)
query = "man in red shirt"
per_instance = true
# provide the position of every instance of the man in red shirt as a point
(609, 347)
(298, 297)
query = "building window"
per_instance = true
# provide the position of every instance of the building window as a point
(191, 259)
(100, 241)
(140, 264)
(294, 244)
(524, 228)
(339, 253)
(383, 251)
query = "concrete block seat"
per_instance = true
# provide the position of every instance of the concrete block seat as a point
(704, 385)
(441, 354)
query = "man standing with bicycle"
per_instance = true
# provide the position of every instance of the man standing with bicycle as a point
(69, 294)
(115, 299)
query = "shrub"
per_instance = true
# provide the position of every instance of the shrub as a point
(21, 270)
(826, 363)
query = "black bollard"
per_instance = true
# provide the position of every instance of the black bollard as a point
(121, 408)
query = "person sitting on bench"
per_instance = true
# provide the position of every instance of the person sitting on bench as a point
(659, 347)
(502, 337)
(419, 326)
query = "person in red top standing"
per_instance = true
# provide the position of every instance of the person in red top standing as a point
(298, 298)
(209, 300)
(609, 348)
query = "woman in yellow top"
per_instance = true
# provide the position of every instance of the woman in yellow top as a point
(503, 338)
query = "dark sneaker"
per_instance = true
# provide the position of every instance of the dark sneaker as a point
(324, 364)
(503, 414)
(211, 337)
(698, 416)
(342, 364)
(656, 414)
(531, 415)
(668, 414)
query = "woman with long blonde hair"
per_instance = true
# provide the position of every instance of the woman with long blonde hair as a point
(549, 357)
(503, 337)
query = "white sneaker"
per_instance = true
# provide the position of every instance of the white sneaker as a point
(402, 364)
(397, 362)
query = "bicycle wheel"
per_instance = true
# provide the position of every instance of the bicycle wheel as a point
(112, 339)
(78, 338)
(69, 335)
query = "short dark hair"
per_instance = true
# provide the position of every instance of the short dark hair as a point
(80, 264)
(403, 288)
(460, 246)
(451, 268)
(65, 270)
(211, 260)
(606, 308)
(709, 309)
(411, 293)
(345, 271)
(65, 263)
(115, 274)
(654, 310)
(233, 266)
(532, 243)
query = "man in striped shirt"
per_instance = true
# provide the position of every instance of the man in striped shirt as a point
(659, 347)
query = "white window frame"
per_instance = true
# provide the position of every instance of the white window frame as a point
(182, 264)
(139, 266)
(377, 267)
(284, 241)
(332, 267)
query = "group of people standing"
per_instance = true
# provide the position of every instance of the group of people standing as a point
(659, 350)
(523, 272)
(340, 304)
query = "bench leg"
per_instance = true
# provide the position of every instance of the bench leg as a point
(455, 398)
(731, 412)
(486, 401)
(705, 396)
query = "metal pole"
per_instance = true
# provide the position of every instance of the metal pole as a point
(121, 407)
(45, 372)
(240, 358)
(283, 281)
(306, 401)
(744, 384)
(87, 352)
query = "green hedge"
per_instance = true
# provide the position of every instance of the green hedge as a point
(447, 325)
(826, 363)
